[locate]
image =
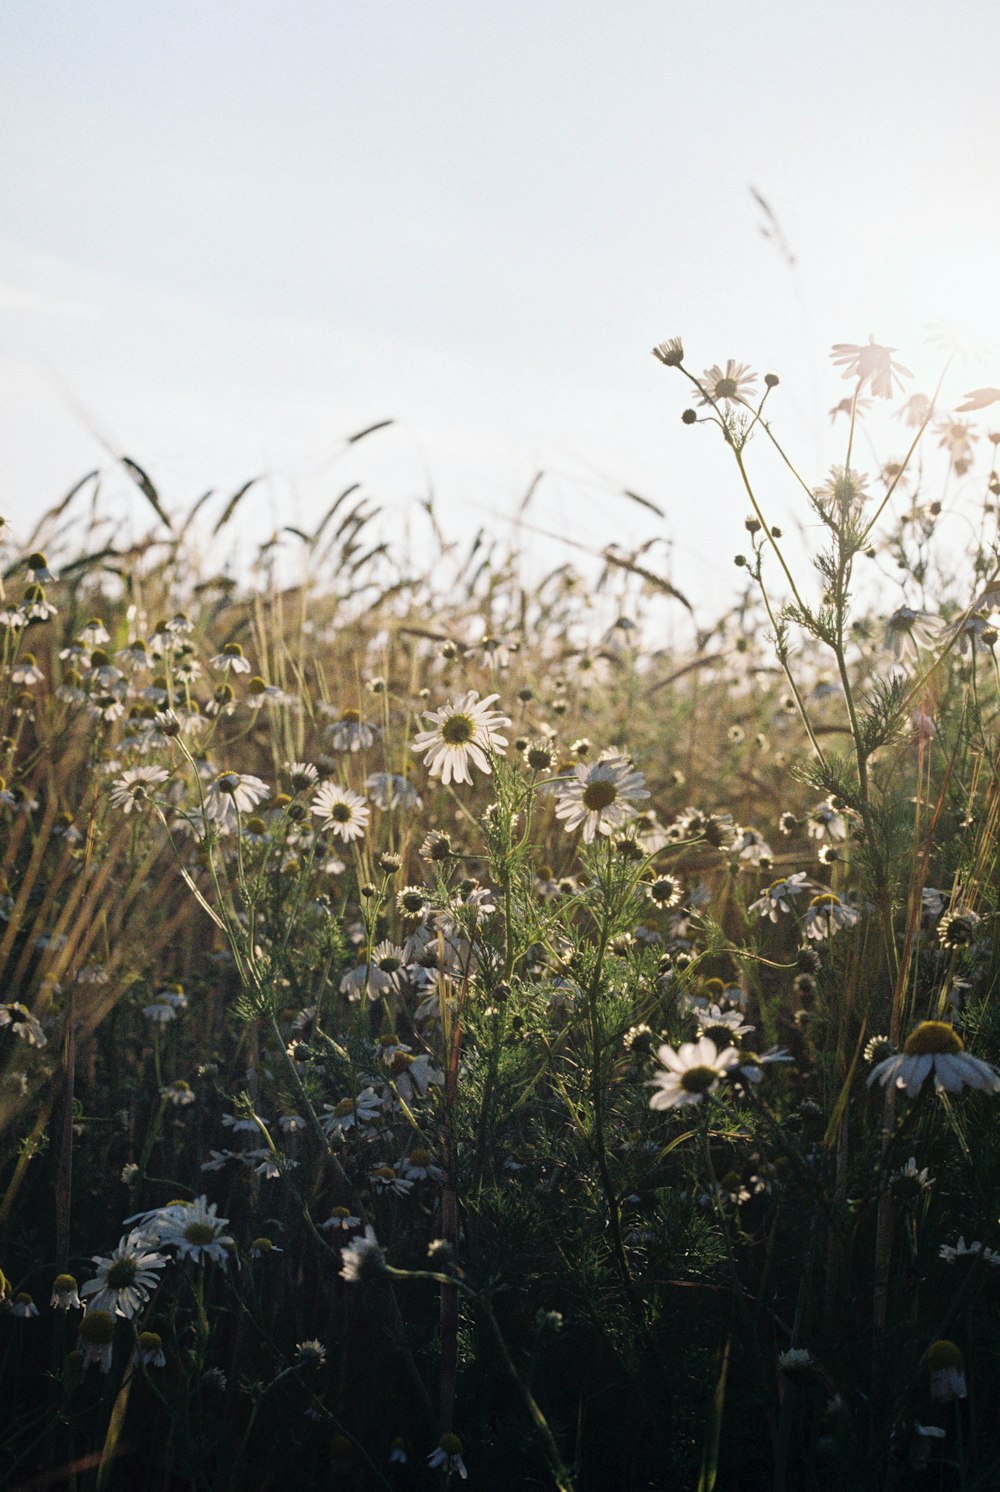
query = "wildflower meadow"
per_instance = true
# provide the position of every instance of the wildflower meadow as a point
(463, 1022)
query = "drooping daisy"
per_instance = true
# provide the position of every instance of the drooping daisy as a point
(232, 793)
(65, 1294)
(824, 822)
(231, 659)
(124, 1278)
(351, 733)
(694, 1069)
(935, 1047)
(779, 896)
(149, 1351)
(448, 1456)
(342, 811)
(600, 797)
(947, 1370)
(907, 630)
(389, 790)
(96, 1340)
(131, 789)
(827, 914)
(464, 730)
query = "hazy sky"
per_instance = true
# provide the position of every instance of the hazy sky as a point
(232, 233)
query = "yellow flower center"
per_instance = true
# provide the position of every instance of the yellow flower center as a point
(121, 1274)
(943, 1354)
(599, 795)
(199, 1233)
(699, 1079)
(458, 730)
(932, 1037)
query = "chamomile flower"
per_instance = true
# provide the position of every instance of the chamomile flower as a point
(733, 384)
(388, 790)
(96, 1339)
(780, 896)
(944, 1362)
(464, 730)
(448, 1456)
(65, 1294)
(934, 1048)
(962, 1250)
(125, 1277)
(362, 1257)
(351, 733)
(343, 812)
(694, 1069)
(907, 630)
(233, 793)
(826, 914)
(599, 798)
(231, 659)
(132, 789)
(871, 365)
(824, 822)
(195, 1232)
(149, 1351)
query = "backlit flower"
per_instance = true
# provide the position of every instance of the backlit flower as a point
(935, 1048)
(694, 1069)
(232, 793)
(124, 1278)
(733, 384)
(464, 731)
(872, 365)
(600, 796)
(342, 811)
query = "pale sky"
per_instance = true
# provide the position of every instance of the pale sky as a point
(234, 233)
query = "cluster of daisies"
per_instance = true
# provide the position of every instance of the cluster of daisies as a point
(129, 1275)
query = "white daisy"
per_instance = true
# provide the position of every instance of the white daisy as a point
(827, 914)
(363, 1256)
(232, 793)
(342, 811)
(131, 789)
(65, 1294)
(779, 896)
(388, 790)
(231, 659)
(600, 797)
(464, 731)
(694, 1069)
(193, 1229)
(733, 384)
(448, 1456)
(351, 733)
(124, 1278)
(870, 365)
(96, 1339)
(935, 1048)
